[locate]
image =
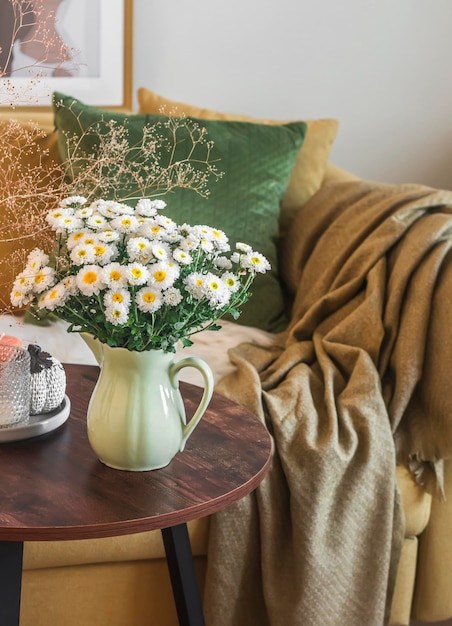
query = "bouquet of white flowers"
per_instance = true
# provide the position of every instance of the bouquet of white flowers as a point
(132, 277)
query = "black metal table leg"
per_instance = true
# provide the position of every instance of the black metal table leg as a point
(11, 553)
(183, 576)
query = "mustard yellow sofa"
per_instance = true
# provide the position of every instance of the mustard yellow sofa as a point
(124, 581)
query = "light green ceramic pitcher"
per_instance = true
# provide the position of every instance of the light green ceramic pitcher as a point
(136, 418)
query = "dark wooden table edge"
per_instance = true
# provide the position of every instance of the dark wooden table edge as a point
(130, 527)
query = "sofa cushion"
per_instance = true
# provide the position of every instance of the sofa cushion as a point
(416, 502)
(308, 172)
(256, 160)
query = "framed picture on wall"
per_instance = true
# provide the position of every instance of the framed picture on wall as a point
(79, 47)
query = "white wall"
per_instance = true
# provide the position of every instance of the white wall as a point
(382, 67)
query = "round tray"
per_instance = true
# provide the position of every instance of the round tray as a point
(37, 424)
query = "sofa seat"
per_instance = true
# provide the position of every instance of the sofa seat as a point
(104, 582)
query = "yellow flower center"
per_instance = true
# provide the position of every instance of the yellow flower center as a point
(90, 278)
(160, 275)
(99, 250)
(117, 297)
(115, 275)
(137, 272)
(39, 277)
(149, 297)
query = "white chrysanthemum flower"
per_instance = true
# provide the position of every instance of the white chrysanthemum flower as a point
(44, 278)
(149, 299)
(222, 262)
(114, 275)
(168, 224)
(53, 218)
(108, 236)
(114, 297)
(104, 253)
(182, 256)
(146, 208)
(139, 249)
(150, 229)
(159, 204)
(36, 259)
(89, 280)
(68, 224)
(97, 222)
(55, 297)
(172, 296)
(206, 245)
(75, 238)
(19, 297)
(124, 209)
(70, 285)
(172, 238)
(23, 282)
(137, 274)
(216, 291)
(74, 202)
(194, 284)
(84, 212)
(111, 208)
(161, 251)
(117, 314)
(235, 257)
(231, 281)
(255, 262)
(220, 239)
(82, 254)
(89, 239)
(125, 224)
(243, 247)
(162, 275)
(189, 243)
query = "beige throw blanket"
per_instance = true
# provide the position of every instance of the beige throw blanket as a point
(359, 382)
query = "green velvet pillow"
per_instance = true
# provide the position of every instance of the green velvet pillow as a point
(256, 159)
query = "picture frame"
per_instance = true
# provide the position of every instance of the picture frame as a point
(98, 34)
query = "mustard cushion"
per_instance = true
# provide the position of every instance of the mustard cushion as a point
(256, 160)
(309, 170)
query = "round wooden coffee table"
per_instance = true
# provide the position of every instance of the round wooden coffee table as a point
(53, 487)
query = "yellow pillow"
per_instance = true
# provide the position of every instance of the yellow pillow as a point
(309, 170)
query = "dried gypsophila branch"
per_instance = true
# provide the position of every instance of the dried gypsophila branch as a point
(102, 162)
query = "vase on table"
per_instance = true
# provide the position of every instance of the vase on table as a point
(136, 417)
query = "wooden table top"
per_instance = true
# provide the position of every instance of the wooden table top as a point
(54, 487)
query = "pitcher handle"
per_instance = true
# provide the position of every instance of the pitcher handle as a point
(207, 375)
